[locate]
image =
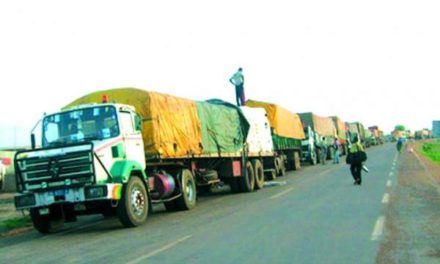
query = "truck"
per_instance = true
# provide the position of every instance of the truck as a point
(321, 135)
(120, 155)
(341, 132)
(287, 133)
(369, 139)
(377, 135)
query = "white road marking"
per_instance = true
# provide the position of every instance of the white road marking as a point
(386, 198)
(389, 183)
(157, 251)
(391, 174)
(281, 193)
(378, 228)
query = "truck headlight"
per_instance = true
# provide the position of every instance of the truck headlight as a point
(94, 192)
(26, 200)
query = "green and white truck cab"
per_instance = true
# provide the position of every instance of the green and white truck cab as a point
(309, 152)
(91, 160)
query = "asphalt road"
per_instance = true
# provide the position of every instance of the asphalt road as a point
(315, 215)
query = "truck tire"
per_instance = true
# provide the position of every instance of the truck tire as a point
(50, 223)
(281, 166)
(259, 173)
(247, 181)
(189, 192)
(133, 207)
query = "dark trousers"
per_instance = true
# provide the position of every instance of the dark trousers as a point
(239, 95)
(356, 170)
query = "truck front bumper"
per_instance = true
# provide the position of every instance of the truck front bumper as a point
(74, 195)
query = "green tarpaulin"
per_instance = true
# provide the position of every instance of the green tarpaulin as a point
(223, 127)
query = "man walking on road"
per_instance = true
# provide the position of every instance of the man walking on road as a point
(356, 160)
(238, 80)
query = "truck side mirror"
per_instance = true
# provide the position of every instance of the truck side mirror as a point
(138, 122)
(33, 141)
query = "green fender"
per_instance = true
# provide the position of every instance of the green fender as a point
(122, 170)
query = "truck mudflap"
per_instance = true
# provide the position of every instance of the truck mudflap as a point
(111, 191)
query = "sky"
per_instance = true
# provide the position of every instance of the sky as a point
(377, 62)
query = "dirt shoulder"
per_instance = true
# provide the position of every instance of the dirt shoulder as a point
(412, 230)
(12, 222)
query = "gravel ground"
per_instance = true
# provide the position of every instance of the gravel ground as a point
(412, 230)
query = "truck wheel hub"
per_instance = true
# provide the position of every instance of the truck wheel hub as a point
(137, 201)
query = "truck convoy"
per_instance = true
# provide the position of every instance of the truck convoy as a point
(121, 156)
(320, 134)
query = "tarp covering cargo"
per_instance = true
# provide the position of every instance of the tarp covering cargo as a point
(340, 128)
(322, 125)
(284, 123)
(223, 126)
(171, 126)
(259, 138)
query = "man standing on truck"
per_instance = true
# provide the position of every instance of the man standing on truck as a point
(238, 80)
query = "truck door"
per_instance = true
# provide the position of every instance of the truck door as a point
(132, 137)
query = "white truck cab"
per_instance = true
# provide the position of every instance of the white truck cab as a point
(87, 158)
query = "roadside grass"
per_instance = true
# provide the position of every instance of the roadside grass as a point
(432, 151)
(14, 223)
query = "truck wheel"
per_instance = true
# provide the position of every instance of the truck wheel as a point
(259, 173)
(50, 223)
(247, 181)
(189, 193)
(280, 166)
(133, 207)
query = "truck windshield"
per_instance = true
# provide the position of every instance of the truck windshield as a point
(82, 125)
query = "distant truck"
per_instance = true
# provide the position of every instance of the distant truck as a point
(341, 132)
(287, 134)
(377, 135)
(321, 134)
(369, 139)
(139, 148)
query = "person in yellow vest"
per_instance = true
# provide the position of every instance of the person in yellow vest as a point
(238, 80)
(356, 162)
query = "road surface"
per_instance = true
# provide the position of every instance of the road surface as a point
(315, 215)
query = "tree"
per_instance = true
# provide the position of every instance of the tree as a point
(399, 128)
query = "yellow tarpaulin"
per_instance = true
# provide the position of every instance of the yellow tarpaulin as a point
(171, 126)
(283, 122)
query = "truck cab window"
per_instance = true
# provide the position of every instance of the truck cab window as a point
(82, 125)
(127, 122)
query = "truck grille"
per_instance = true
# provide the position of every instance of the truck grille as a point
(73, 166)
